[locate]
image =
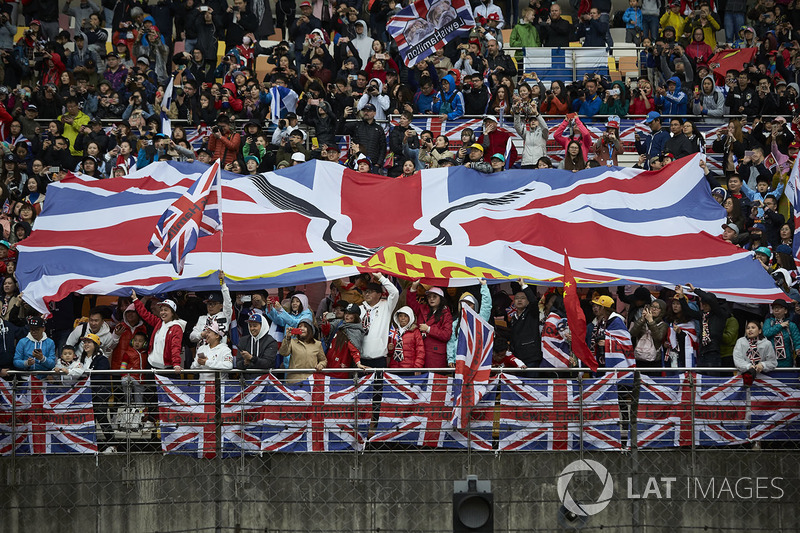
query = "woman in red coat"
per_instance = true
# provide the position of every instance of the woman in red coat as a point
(406, 348)
(345, 349)
(435, 323)
(167, 339)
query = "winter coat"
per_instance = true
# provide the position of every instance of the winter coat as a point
(413, 344)
(349, 353)
(301, 355)
(790, 335)
(765, 350)
(218, 358)
(75, 371)
(382, 102)
(133, 359)
(380, 319)
(166, 341)
(450, 103)
(25, 349)
(371, 138)
(526, 341)
(525, 35)
(534, 139)
(263, 347)
(107, 340)
(286, 320)
(123, 341)
(712, 102)
(586, 136)
(436, 338)
(363, 43)
(674, 103)
(717, 318)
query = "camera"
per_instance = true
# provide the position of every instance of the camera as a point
(215, 129)
(373, 89)
(296, 331)
(281, 123)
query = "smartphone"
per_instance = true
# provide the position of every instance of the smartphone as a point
(203, 8)
(313, 101)
(52, 170)
(748, 153)
(246, 299)
(296, 331)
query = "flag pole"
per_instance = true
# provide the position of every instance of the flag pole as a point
(219, 194)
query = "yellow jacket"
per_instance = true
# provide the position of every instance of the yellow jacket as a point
(672, 19)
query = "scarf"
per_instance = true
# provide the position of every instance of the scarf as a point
(598, 334)
(706, 333)
(780, 346)
(396, 334)
(367, 320)
(752, 351)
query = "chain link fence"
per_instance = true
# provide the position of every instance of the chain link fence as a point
(622, 452)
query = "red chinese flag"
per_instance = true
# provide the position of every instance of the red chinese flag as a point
(726, 60)
(575, 318)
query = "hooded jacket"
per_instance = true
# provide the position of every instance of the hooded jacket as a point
(25, 348)
(262, 347)
(287, 320)
(300, 354)
(379, 318)
(363, 43)
(381, 101)
(712, 102)
(674, 103)
(107, 341)
(450, 102)
(525, 35)
(166, 341)
(436, 338)
(217, 358)
(413, 348)
(618, 106)
(123, 341)
(349, 353)
(534, 139)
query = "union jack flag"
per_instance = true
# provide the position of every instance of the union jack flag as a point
(690, 344)
(539, 414)
(425, 26)
(774, 409)
(678, 410)
(196, 136)
(555, 348)
(46, 418)
(473, 364)
(618, 346)
(416, 410)
(198, 213)
(316, 415)
(187, 413)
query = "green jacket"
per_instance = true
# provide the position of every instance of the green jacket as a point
(616, 107)
(729, 337)
(525, 35)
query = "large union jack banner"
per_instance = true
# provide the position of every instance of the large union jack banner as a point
(424, 26)
(473, 364)
(416, 410)
(774, 409)
(681, 409)
(559, 414)
(38, 417)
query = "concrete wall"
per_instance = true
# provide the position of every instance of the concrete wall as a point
(404, 491)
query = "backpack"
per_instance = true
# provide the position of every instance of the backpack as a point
(645, 348)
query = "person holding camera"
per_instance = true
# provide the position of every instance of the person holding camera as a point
(615, 102)
(300, 349)
(7, 32)
(403, 143)
(533, 130)
(374, 95)
(223, 142)
(608, 147)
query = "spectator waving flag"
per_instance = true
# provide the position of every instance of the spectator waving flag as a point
(793, 193)
(423, 27)
(198, 213)
(166, 123)
(473, 364)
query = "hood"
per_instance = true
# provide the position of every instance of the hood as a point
(379, 82)
(303, 300)
(794, 86)
(309, 322)
(27, 227)
(713, 85)
(661, 305)
(677, 81)
(407, 310)
(621, 86)
(365, 34)
(451, 80)
(151, 19)
(265, 325)
(231, 87)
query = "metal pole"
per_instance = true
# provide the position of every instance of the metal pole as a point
(574, 65)
(580, 410)
(218, 451)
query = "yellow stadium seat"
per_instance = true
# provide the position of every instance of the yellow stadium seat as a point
(220, 51)
(20, 32)
(612, 64)
(568, 18)
(575, 44)
(506, 35)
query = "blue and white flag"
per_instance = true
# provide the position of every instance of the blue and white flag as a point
(284, 100)
(423, 27)
(166, 123)
(197, 213)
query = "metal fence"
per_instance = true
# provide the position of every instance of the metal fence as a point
(378, 452)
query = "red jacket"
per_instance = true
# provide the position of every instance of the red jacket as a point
(174, 341)
(124, 343)
(436, 339)
(344, 357)
(225, 148)
(134, 360)
(413, 351)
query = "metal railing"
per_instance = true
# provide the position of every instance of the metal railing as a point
(221, 414)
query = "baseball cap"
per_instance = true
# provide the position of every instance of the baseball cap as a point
(732, 226)
(5, 243)
(368, 107)
(91, 337)
(476, 146)
(214, 326)
(32, 107)
(651, 116)
(143, 60)
(256, 316)
(352, 309)
(299, 156)
(719, 191)
(604, 301)
(783, 249)
(169, 303)
(612, 124)
(499, 156)
(361, 158)
(782, 303)
(36, 322)
(214, 297)
(489, 117)
(112, 54)
(763, 250)
(253, 158)
(435, 290)
(305, 3)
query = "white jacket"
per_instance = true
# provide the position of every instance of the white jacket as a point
(534, 140)
(223, 318)
(74, 371)
(218, 358)
(380, 316)
(486, 10)
(107, 340)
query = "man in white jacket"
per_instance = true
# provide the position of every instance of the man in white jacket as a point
(95, 325)
(214, 354)
(376, 317)
(374, 95)
(219, 307)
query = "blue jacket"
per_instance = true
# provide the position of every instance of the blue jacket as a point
(633, 18)
(674, 103)
(453, 97)
(755, 196)
(588, 107)
(791, 338)
(25, 349)
(423, 103)
(652, 144)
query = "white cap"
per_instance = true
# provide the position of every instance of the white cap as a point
(490, 117)
(299, 156)
(169, 303)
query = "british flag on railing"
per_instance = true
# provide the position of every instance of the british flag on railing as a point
(50, 418)
(774, 409)
(187, 413)
(542, 414)
(555, 348)
(416, 410)
(677, 410)
(316, 415)
(473, 365)
(196, 136)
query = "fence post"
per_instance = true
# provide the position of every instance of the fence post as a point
(574, 65)
(580, 410)
(218, 450)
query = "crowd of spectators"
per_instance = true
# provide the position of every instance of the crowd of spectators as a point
(94, 101)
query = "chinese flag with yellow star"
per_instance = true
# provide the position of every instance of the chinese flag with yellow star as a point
(575, 318)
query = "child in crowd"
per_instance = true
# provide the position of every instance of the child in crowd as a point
(135, 358)
(68, 366)
(502, 356)
(406, 348)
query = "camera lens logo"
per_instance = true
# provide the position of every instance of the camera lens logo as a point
(584, 509)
